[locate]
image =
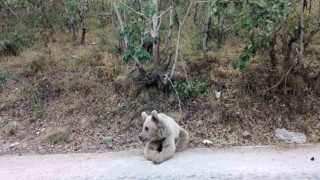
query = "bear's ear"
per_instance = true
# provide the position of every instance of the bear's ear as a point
(154, 115)
(144, 115)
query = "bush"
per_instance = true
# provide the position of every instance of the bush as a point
(196, 41)
(191, 89)
(3, 76)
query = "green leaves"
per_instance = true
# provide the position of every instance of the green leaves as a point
(149, 9)
(127, 56)
(137, 52)
(257, 19)
(3, 76)
(191, 89)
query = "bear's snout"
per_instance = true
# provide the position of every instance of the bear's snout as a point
(142, 138)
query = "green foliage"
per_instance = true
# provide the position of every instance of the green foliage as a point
(133, 30)
(141, 54)
(12, 41)
(196, 41)
(191, 89)
(16, 76)
(102, 20)
(103, 41)
(3, 76)
(257, 18)
(59, 137)
(149, 9)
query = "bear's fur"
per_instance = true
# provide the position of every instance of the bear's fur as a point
(163, 135)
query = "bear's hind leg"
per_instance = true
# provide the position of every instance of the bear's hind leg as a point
(182, 141)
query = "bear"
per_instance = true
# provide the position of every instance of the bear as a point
(163, 137)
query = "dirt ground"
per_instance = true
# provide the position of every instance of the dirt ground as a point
(69, 103)
(65, 111)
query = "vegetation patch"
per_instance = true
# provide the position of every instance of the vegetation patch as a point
(59, 137)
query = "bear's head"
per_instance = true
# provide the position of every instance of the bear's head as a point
(152, 129)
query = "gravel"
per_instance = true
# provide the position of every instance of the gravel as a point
(214, 163)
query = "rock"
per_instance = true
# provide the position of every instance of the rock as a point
(290, 137)
(207, 142)
(14, 144)
(11, 128)
(246, 135)
(6, 147)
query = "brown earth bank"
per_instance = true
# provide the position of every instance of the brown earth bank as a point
(70, 103)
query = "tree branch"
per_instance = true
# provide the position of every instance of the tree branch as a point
(178, 41)
(10, 9)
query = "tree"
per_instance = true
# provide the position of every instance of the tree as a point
(83, 34)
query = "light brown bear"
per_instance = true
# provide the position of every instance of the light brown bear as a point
(163, 135)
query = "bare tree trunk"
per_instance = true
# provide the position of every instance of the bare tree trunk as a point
(287, 44)
(169, 57)
(156, 37)
(205, 39)
(300, 58)
(315, 74)
(178, 40)
(272, 43)
(144, 23)
(83, 34)
(196, 19)
(115, 26)
(221, 33)
(283, 35)
(314, 31)
(71, 25)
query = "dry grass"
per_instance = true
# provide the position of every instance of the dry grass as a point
(144, 97)
(108, 66)
(126, 85)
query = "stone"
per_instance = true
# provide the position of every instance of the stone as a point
(14, 144)
(290, 137)
(246, 135)
(6, 147)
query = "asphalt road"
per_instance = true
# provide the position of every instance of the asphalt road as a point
(214, 163)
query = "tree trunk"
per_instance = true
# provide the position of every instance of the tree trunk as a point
(169, 57)
(83, 34)
(72, 27)
(156, 37)
(283, 34)
(196, 19)
(115, 26)
(178, 40)
(205, 39)
(221, 30)
(272, 51)
(314, 31)
(301, 33)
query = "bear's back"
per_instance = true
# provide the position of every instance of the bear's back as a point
(170, 124)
